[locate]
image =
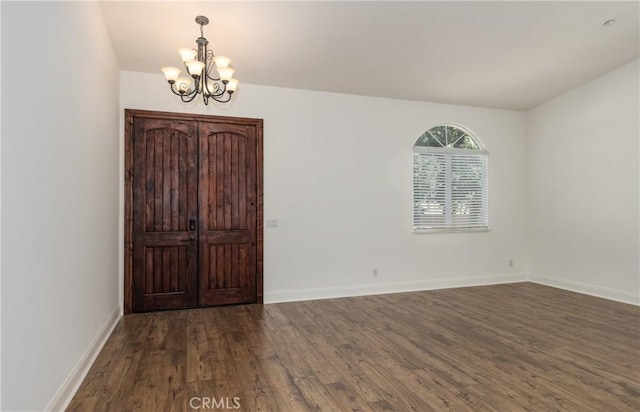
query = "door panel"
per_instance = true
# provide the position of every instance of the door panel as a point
(227, 196)
(164, 201)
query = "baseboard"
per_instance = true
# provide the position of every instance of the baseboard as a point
(65, 393)
(587, 289)
(383, 288)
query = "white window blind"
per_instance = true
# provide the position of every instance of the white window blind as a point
(449, 189)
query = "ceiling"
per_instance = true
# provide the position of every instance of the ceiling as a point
(509, 55)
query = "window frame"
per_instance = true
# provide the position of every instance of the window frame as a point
(449, 154)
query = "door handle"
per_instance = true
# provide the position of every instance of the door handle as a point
(191, 239)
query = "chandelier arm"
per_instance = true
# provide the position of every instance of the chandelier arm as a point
(215, 79)
(216, 88)
(186, 98)
(192, 94)
(205, 87)
(220, 100)
(173, 89)
(209, 63)
(176, 93)
(197, 87)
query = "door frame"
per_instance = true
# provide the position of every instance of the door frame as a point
(129, 115)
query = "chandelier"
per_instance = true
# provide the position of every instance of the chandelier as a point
(217, 84)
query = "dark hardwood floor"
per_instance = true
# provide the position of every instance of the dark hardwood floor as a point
(514, 347)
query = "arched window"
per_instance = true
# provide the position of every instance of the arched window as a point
(449, 181)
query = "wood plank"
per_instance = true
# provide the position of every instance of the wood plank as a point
(175, 176)
(219, 182)
(157, 270)
(198, 352)
(175, 269)
(220, 267)
(226, 181)
(228, 266)
(157, 191)
(166, 180)
(183, 268)
(257, 393)
(132, 216)
(233, 177)
(166, 269)
(242, 184)
(206, 193)
(243, 274)
(182, 186)
(236, 264)
(148, 267)
(149, 200)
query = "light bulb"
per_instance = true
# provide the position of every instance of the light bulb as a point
(232, 85)
(170, 73)
(226, 73)
(183, 84)
(221, 61)
(195, 67)
(187, 54)
(211, 88)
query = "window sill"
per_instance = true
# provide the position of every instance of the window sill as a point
(460, 230)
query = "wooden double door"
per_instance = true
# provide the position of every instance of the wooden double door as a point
(196, 210)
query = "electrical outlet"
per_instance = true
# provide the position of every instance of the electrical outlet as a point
(271, 223)
(511, 263)
(375, 272)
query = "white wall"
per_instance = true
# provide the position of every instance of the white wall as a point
(60, 82)
(338, 178)
(583, 179)
(0, 215)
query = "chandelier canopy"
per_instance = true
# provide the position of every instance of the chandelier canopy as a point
(202, 79)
